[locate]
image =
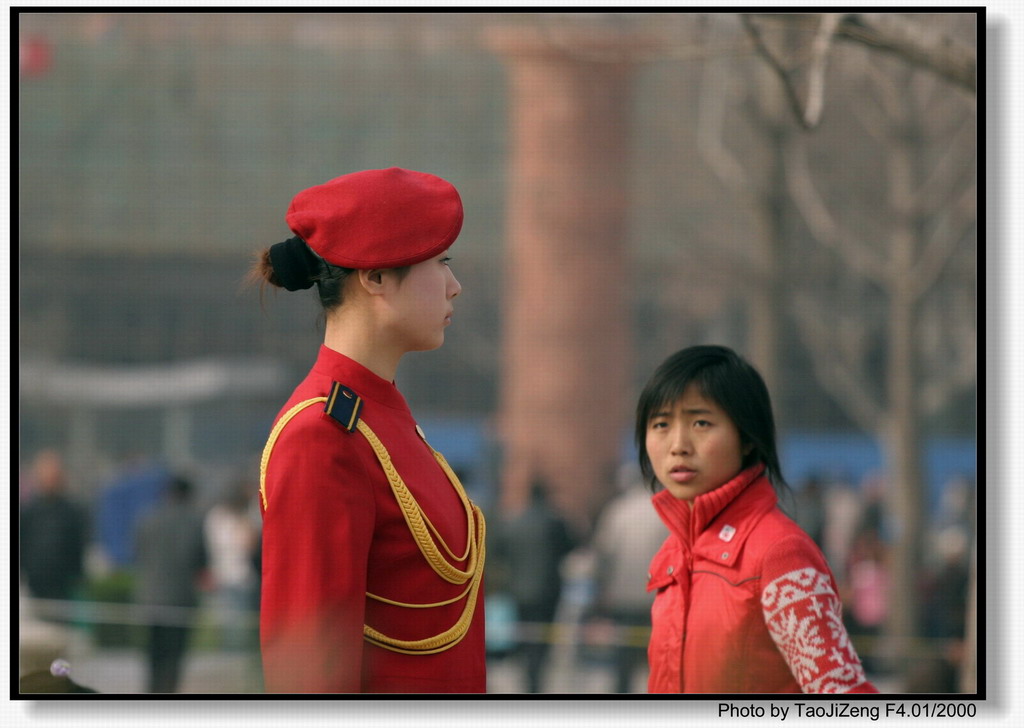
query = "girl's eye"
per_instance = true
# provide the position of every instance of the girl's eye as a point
(658, 425)
(446, 260)
(702, 423)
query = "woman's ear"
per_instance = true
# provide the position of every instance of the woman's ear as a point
(372, 281)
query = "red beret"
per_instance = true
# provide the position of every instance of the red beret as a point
(380, 218)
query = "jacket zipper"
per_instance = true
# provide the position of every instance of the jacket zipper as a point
(686, 616)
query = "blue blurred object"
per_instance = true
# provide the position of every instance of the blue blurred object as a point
(132, 493)
(465, 444)
(851, 457)
(501, 622)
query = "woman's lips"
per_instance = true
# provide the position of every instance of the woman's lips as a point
(682, 475)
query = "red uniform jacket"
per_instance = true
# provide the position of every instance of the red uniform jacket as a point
(333, 531)
(745, 600)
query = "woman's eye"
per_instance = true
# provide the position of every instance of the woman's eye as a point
(702, 423)
(446, 261)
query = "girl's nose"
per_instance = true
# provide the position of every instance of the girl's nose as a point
(681, 443)
(454, 288)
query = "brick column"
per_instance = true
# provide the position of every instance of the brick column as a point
(565, 394)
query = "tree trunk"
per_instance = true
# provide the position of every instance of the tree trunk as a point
(766, 299)
(901, 435)
(905, 490)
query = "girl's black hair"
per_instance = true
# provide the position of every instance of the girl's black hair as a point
(331, 284)
(724, 377)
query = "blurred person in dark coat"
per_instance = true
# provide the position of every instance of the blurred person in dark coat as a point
(810, 509)
(170, 561)
(943, 619)
(52, 531)
(532, 545)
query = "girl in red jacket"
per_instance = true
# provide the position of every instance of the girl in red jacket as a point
(745, 602)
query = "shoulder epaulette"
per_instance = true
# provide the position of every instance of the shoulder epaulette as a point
(343, 405)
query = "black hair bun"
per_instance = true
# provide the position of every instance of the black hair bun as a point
(295, 265)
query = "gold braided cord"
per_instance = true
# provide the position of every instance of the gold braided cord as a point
(414, 516)
(452, 636)
(457, 485)
(411, 605)
(274, 434)
(419, 525)
(444, 545)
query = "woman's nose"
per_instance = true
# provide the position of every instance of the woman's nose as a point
(681, 443)
(454, 288)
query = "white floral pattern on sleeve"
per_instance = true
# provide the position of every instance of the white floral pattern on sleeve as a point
(803, 616)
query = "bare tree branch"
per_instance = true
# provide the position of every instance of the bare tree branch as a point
(820, 48)
(823, 226)
(807, 113)
(937, 390)
(960, 368)
(889, 95)
(561, 33)
(938, 53)
(833, 369)
(941, 180)
(732, 261)
(870, 122)
(710, 116)
(909, 41)
(943, 243)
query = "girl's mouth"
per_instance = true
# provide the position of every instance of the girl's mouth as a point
(682, 475)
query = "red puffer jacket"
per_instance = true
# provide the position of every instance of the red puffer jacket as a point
(745, 600)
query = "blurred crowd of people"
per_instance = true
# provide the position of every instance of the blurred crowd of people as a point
(548, 587)
(171, 545)
(850, 524)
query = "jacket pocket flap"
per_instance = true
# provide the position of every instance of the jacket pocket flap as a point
(663, 570)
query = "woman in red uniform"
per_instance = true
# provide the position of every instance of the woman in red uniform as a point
(372, 554)
(745, 602)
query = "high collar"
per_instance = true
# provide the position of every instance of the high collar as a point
(362, 381)
(688, 523)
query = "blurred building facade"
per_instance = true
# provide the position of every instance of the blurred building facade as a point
(157, 152)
